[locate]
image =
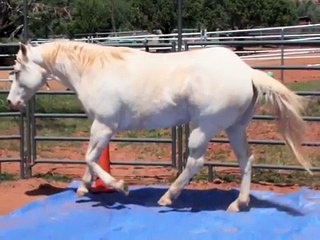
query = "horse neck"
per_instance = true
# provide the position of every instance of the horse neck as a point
(58, 65)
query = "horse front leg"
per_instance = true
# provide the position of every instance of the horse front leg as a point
(99, 138)
(86, 182)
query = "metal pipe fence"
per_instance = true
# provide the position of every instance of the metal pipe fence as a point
(16, 137)
(29, 139)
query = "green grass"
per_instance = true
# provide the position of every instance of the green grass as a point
(58, 104)
(305, 86)
(47, 176)
(156, 133)
(221, 155)
(48, 146)
(53, 177)
(65, 127)
(50, 104)
(286, 178)
(7, 177)
(3, 105)
(279, 178)
(314, 106)
(272, 154)
(281, 155)
(8, 123)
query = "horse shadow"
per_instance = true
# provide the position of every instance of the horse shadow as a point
(188, 201)
(46, 190)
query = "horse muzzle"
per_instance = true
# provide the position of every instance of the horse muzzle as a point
(15, 106)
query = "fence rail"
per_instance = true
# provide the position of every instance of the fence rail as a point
(29, 138)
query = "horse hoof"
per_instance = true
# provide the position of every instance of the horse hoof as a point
(233, 208)
(123, 187)
(238, 204)
(165, 201)
(81, 192)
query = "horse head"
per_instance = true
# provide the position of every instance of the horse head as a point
(28, 76)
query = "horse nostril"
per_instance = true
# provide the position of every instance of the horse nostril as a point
(8, 101)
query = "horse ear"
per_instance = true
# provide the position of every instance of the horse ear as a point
(23, 49)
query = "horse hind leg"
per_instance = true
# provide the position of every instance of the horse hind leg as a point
(238, 141)
(99, 138)
(239, 144)
(198, 143)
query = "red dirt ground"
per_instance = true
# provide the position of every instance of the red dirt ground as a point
(17, 193)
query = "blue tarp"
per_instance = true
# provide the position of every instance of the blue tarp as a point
(196, 214)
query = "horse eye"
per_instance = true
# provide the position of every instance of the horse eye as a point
(14, 72)
(14, 75)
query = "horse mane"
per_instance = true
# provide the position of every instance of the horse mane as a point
(83, 55)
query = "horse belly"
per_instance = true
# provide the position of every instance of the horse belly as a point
(164, 118)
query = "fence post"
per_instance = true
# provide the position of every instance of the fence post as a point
(186, 46)
(146, 46)
(33, 133)
(180, 149)
(180, 128)
(186, 128)
(174, 46)
(210, 173)
(22, 140)
(282, 55)
(186, 143)
(174, 131)
(174, 146)
(28, 139)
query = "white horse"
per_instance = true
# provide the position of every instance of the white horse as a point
(126, 89)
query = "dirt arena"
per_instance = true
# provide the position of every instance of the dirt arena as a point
(16, 193)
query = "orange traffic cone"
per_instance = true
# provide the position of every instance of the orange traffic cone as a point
(104, 162)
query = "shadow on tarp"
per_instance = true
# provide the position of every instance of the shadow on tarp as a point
(196, 214)
(189, 200)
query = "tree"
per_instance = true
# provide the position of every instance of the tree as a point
(122, 15)
(193, 14)
(154, 14)
(214, 15)
(90, 16)
(11, 17)
(251, 13)
(278, 13)
(165, 17)
(308, 8)
(142, 12)
(49, 19)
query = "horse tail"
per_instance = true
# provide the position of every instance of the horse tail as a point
(287, 108)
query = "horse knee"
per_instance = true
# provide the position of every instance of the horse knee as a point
(197, 144)
(93, 152)
(195, 164)
(90, 159)
(197, 139)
